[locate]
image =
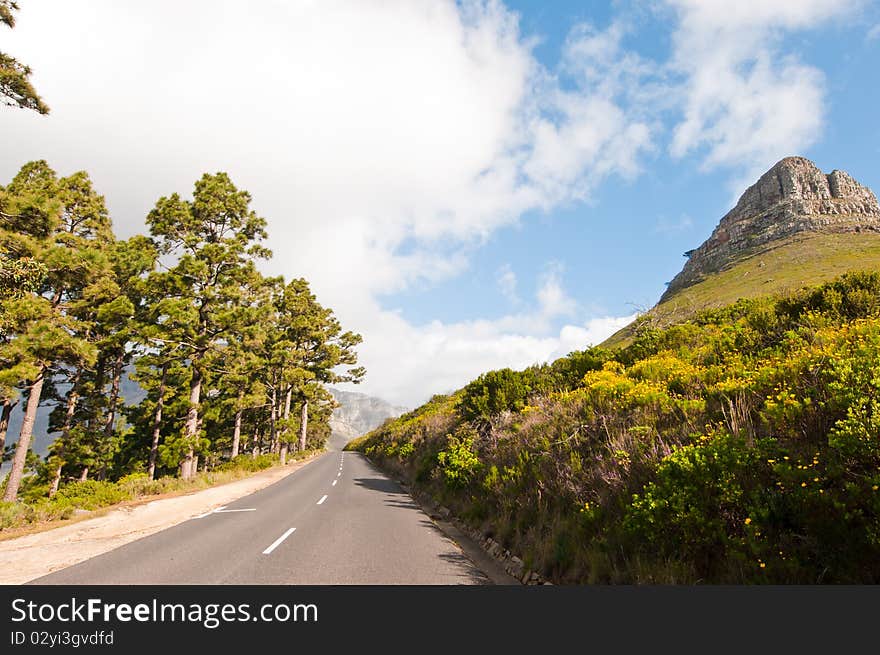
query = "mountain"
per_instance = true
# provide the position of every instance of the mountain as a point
(359, 413)
(796, 226)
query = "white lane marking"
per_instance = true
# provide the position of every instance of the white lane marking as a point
(323, 498)
(278, 541)
(223, 510)
(334, 483)
(208, 513)
(338, 474)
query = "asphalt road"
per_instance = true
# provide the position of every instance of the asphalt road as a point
(338, 520)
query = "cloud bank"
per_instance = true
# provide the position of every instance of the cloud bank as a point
(385, 141)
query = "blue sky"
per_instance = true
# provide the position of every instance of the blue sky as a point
(469, 185)
(618, 249)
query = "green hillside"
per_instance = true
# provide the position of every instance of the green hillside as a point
(803, 260)
(740, 446)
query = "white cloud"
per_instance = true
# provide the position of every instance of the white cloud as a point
(507, 282)
(666, 226)
(747, 104)
(386, 140)
(552, 298)
(382, 140)
(449, 355)
(874, 32)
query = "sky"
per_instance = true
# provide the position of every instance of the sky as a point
(468, 185)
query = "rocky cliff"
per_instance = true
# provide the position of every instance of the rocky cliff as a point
(359, 413)
(792, 197)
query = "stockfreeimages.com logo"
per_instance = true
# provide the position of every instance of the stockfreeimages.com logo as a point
(209, 615)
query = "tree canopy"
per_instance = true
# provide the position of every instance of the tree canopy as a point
(16, 89)
(220, 352)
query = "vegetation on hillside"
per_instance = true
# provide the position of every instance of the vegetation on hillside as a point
(229, 359)
(740, 446)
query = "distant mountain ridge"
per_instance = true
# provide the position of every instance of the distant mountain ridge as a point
(360, 413)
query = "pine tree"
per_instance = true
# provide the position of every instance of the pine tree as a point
(215, 238)
(16, 89)
(64, 225)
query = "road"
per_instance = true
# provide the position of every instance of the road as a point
(337, 520)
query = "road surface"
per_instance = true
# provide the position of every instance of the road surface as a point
(338, 520)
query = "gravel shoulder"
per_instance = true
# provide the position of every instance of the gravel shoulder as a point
(32, 556)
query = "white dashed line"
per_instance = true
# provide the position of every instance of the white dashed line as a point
(338, 474)
(278, 541)
(323, 498)
(223, 510)
(334, 483)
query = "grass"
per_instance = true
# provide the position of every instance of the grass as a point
(806, 260)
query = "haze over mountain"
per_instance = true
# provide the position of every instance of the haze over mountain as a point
(359, 413)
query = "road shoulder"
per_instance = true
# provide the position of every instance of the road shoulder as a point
(32, 556)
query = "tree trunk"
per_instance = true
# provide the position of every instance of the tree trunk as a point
(285, 445)
(273, 415)
(100, 371)
(236, 431)
(56, 479)
(64, 440)
(157, 425)
(4, 421)
(287, 397)
(192, 423)
(114, 394)
(256, 439)
(84, 475)
(303, 424)
(24, 437)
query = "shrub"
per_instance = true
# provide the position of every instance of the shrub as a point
(495, 392)
(90, 494)
(458, 463)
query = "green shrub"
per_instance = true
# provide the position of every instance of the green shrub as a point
(459, 463)
(90, 494)
(249, 463)
(13, 514)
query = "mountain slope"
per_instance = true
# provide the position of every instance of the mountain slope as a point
(795, 227)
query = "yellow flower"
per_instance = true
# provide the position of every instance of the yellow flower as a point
(748, 520)
(874, 487)
(763, 565)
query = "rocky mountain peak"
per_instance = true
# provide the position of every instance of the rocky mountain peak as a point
(793, 196)
(357, 413)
